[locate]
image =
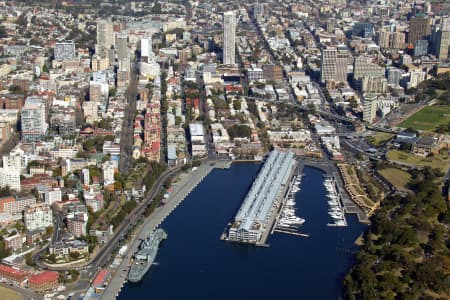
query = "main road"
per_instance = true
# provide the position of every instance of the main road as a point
(104, 253)
(126, 139)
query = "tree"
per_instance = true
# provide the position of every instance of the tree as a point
(239, 131)
(156, 9)
(3, 33)
(51, 258)
(74, 255)
(29, 259)
(237, 105)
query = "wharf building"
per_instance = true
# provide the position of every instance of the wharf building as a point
(256, 214)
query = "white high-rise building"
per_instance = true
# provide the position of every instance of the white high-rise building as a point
(10, 177)
(33, 119)
(38, 216)
(229, 37)
(146, 49)
(86, 176)
(53, 195)
(12, 161)
(108, 172)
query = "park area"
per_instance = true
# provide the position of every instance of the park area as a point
(428, 118)
(409, 159)
(396, 177)
(379, 138)
(9, 294)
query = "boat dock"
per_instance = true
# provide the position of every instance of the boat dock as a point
(182, 188)
(336, 210)
(291, 232)
(281, 225)
(330, 169)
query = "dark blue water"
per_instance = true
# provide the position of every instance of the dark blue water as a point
(195, 264)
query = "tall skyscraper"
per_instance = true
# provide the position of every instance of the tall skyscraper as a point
(105, 36)
(442, 45)
(229, 37)
(64, 50)
(334, 64)
(445, 24)
(122, 46)
(419, 29)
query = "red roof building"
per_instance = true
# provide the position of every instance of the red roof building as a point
(47, 280)
(13, 275)
(102, 277)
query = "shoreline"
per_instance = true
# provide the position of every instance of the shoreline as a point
(184, 184)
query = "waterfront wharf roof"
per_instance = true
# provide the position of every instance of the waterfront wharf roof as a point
(264, 190)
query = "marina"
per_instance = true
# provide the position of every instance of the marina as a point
(335, 209)
(287, 221)
(191, 260)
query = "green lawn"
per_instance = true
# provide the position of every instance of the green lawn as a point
(379, 138)
(397, 177)
(405, 157)
(428, 118)
(10, 294)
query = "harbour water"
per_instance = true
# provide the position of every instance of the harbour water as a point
(194, 263)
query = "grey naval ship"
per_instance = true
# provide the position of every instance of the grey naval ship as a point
(145, 256)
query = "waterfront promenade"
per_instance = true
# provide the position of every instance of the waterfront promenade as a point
(182, 186)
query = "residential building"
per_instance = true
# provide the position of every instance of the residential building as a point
(38, 216)
(146, 49)
(14, 242)
(363, 66)
(272, 73)
(442, 45)
(229, 37)
(363, 29)
(105, 36)
(77, 219)
(64, 51)
(371, 84)
(52, 195)
(122, 46)
(108, 172)
(5, 131)
(11, 205)
(33, 119)
(86, 178)
(419, 28)
(334, 65)
(421, 48)
(10, 177)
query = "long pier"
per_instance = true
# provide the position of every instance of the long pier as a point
(182, 188)
(256, 216)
